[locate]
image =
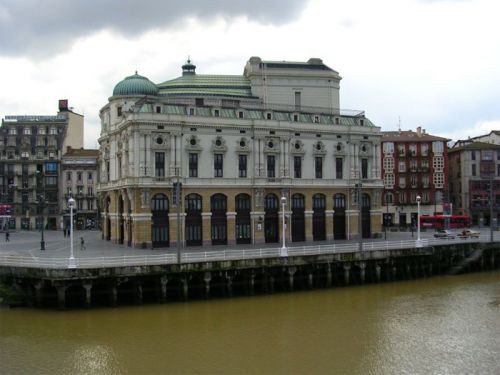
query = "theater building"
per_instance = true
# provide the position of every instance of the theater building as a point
(237, 144)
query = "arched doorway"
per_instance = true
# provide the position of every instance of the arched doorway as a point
(193, 220)
(121, 221)
(319, 222)
(298, 218)
(218, 206)
(365, 216)
(339, 217)
(243, 226)
(108, 219)
(159, 229)
(271, 219)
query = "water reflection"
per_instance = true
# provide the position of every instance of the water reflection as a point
(439, 325)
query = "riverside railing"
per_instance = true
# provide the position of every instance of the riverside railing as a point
(14, 260)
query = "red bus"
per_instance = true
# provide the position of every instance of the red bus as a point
(438, 221)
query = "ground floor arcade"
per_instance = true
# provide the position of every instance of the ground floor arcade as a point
(148, 218)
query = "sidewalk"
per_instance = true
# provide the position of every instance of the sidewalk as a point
(27, 243)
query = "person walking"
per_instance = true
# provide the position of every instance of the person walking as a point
(82, 244)
(64, 231)
(7, 236)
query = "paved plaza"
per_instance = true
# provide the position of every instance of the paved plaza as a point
(27, 243)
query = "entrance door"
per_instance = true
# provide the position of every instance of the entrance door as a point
(159, 229)
(271, 219)
(298, 218)
(339, 217)
(218, 204)
(319, 222)
(243, 227)
(193, 220)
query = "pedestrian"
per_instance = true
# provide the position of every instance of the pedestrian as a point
(64, 232)
(82, 244)
(7, 235)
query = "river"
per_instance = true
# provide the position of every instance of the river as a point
(441, 325)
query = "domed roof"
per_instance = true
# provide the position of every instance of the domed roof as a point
(135, 85)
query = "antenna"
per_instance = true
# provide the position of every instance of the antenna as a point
(399, 123)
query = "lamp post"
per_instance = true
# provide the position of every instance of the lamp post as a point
(419, 242)
(284, 250)
(386, 215)
(71, 204)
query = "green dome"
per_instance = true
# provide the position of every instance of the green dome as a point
(135, 85)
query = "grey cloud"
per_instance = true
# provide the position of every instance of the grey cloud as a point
(42, 27)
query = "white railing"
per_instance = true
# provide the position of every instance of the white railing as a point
(222, 255)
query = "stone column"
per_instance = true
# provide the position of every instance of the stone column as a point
(229, 284)
(172, 227)
(207, 277)
(206, 228)
(138, 296)
(347, 268)
(252, 282)
(113, 295)
(185, 288)
(61, 295)
(88, 294)
(163, 285)
(258, 227)
(309, 225)
(362, 267)
(38, 293)
(231, 228)
(328, 275)
(291, 273)
(377, 272)
(310, 280)
(329, 224)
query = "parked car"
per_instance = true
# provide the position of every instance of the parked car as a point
(444, 233)
(466, 233)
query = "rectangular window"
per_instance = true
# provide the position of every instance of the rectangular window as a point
(388, 180)
(297, 99)
(401, 150)
(438, 163)
(51, 168)
(193, 165)
(364, 168)
(79, 176)
(402, 166)
(271, 166)
(68, 176)
(297, 166)
(473, 169)
(50, 180)
(107, 171)
(218, 165)
(498, 169)
(339, 168)
(402, 182)
(90, 191)
(160, 164)
(242, 166)
(388, 163)
(473, 155)
(318, 166)
(388, 147)
(90, 177)
(118, 111)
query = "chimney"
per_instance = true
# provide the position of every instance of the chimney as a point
(419, 131)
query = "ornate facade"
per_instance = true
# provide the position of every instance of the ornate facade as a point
(31, 149)
(237, 145)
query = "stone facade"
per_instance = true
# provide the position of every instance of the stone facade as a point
(30, 166)
(237, 149)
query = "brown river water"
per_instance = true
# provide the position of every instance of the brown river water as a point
(441, 325)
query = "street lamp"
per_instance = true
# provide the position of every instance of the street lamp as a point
(284, 250)
(386, 215)
(71, 204)
(419, 242)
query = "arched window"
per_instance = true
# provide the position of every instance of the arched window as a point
(271, 202)
(242, 202)
(339, 201)
(159, 203)
(365, 201)
(218, 202)
(193, 202)
(298, 201)
(319, 202)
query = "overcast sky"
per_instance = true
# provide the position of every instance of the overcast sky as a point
(431, 63)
